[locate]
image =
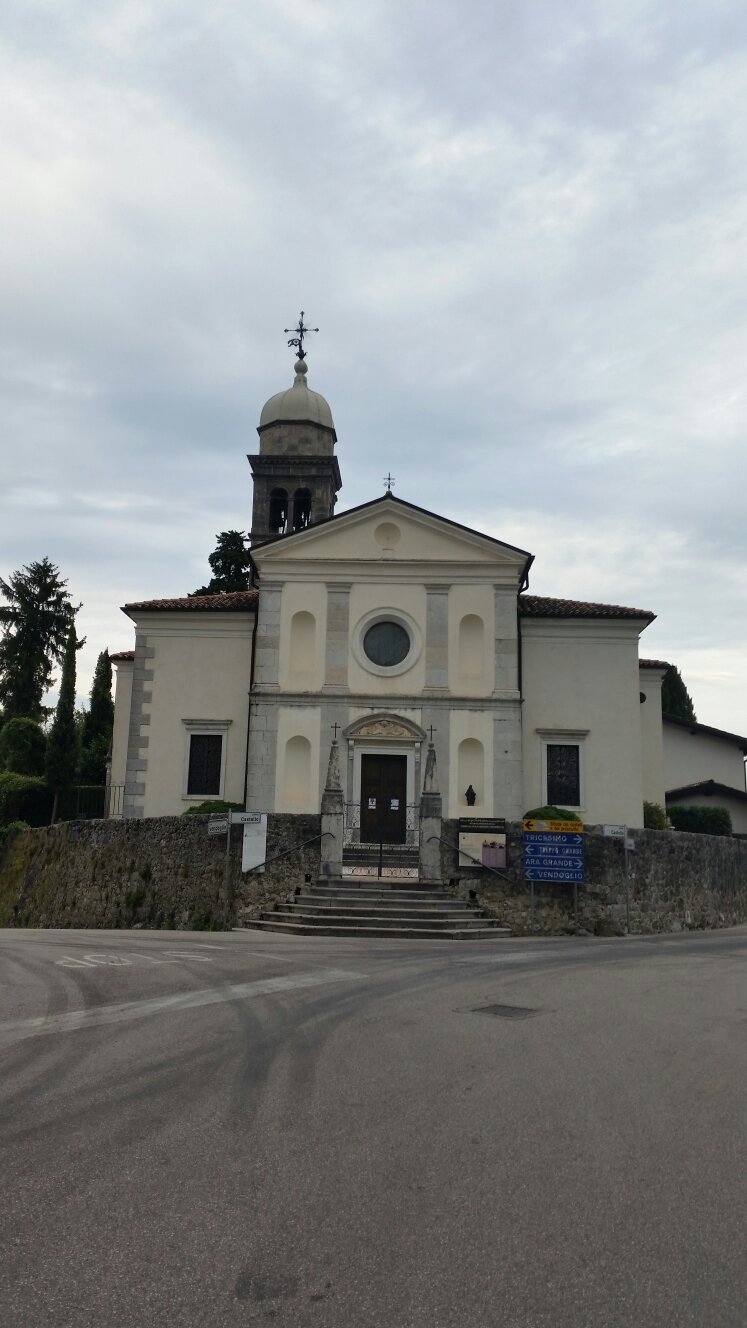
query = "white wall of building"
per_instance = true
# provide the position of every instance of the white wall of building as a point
(197, 673)
(691, 756)
(581, 685)
(122, 694)
(652, 741)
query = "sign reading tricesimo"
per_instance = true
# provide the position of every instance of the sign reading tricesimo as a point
(554, 851)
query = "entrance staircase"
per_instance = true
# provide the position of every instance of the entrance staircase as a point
(380, 908)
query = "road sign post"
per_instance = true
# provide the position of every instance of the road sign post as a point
(554, 851)
(621, 832)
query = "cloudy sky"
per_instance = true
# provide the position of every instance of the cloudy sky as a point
(520, 226)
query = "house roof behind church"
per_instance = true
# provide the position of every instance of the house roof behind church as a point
(122, 656)
(540, 606)
(653, 664)
(233, 601)
(694, 727)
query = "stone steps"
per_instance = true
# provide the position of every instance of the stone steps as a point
(429, 913)
(382, 917)
(379, 933)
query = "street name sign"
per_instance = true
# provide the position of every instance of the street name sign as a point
(218, 825)
(614, 831)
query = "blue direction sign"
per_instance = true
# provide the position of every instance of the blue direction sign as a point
(553, 856)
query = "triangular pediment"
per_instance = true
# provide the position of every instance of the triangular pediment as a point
(390, 531)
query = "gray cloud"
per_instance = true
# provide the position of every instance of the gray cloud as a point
(521, 229)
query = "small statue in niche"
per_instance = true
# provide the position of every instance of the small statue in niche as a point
(471, 796)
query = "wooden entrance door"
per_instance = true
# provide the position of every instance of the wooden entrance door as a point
(383, 799)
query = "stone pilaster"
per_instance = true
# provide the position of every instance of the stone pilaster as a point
(437, 639)
(338, 639)
(506, 645)
(266, 660)
(133, 804)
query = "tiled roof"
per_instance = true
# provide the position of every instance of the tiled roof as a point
(693, 726)
(235, 601)
(707, 788)
(539, 606)
(122, 656)
(653, 664)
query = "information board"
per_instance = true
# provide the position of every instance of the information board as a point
(254, 847)
(554, 855)
(482, 841)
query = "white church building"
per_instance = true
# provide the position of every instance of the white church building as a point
(386, 627)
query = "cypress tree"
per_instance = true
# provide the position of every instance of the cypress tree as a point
(98, 723)
(675, 698)
(62, 747)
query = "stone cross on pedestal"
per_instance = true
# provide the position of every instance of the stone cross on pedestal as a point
(430, 821)
(333, 817)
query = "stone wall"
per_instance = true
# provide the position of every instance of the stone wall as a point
(676, 881)
(157, 872)
(166, 872)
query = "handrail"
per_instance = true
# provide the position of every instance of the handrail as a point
(288, 851)
(484, 865)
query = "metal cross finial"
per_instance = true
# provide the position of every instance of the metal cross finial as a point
(431, 732)
(388, 481)
(334, 728)
(298, 340)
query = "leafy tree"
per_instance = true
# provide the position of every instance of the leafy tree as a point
(62, 746)
(23, 744)
(675, 698)
(230, 564)
(98, 722)
(37, 619)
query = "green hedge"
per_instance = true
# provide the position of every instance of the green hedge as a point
(701, 820)
(24, 798)
(550, 814)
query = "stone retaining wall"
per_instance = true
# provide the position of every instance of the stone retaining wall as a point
(676, 881)
(159, 872)
(166, 872)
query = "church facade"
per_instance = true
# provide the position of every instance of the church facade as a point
(386, 628)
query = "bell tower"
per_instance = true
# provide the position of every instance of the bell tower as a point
(296, 474)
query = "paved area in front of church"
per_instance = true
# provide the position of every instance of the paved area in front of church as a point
(225, 1129)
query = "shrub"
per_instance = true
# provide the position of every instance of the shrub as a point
(23, 745)
(550, 814)
(8, 831)
(655, 817)
(701, 820)
(214, 808)
(24, 798)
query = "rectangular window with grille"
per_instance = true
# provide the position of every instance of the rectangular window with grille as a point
(563, 774)
(205, 753)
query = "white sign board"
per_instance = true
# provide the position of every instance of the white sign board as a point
(246, 818)
(254, 848)
(614, 831)
(218, 825)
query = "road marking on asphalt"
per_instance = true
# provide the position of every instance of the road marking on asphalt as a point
(72, 1020)
(123, 959)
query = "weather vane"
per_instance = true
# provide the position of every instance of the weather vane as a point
(388, 481)
(298, 340)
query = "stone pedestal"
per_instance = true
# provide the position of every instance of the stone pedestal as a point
(333, 819)
(430, 822)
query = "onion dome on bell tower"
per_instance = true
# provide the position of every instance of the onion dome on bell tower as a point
(296, 473)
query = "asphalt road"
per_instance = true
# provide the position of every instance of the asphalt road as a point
(201, 1129)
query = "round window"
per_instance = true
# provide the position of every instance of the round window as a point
(386, 644)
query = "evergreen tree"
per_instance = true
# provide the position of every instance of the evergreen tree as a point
(98, 723)
(230, 564)
(23, 744)
(675, 698)
(62, 746)
(37, 619)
